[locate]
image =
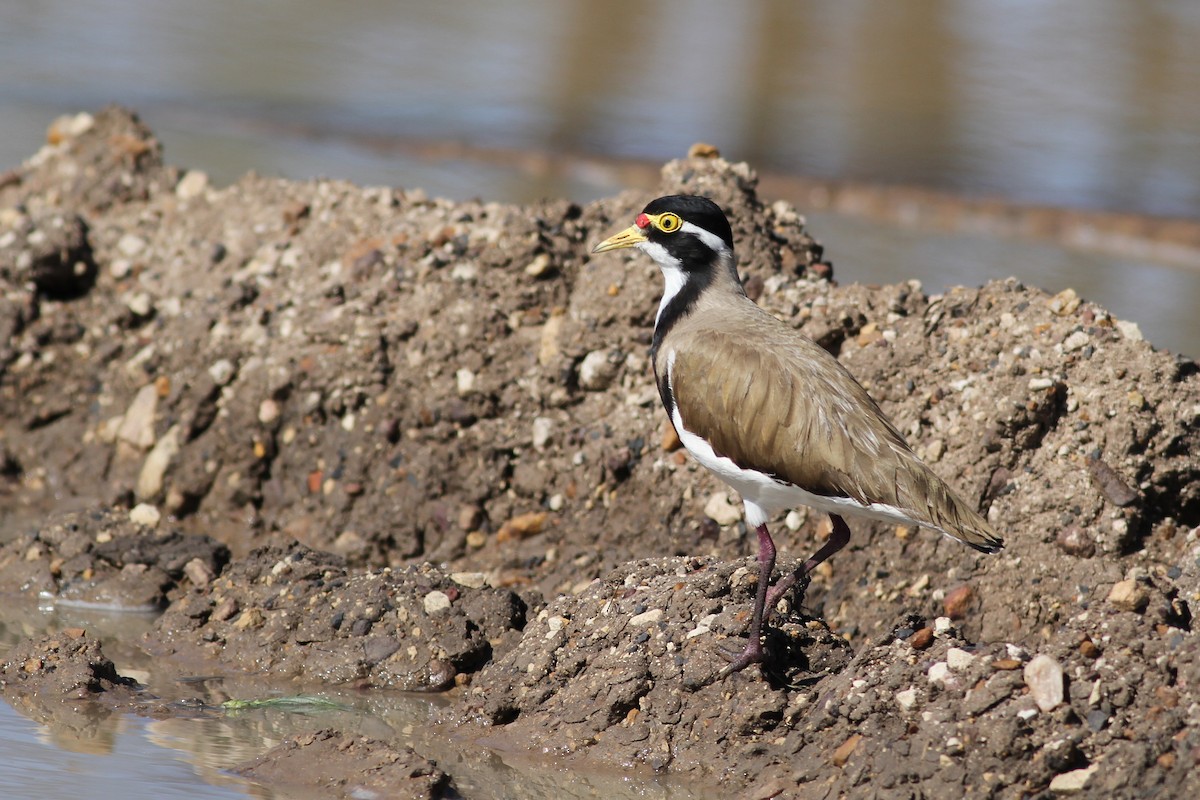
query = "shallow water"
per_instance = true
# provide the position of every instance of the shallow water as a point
(127, 757)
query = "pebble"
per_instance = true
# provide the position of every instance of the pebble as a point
(1129, 330)
(1076, 341)
(543, 431)
(539, 266)
(1063, 303)
(940, 673)
(137, 427)
(140, 304)
(145, 514)
(1044, 677)
(597, 370)
(1074, 781)
(646, 617)
(221, 371)
(471, 580)
(958, 601)
(942, 626)
(464, 380)
(130, 245)
(906, 699)
(921, 639)
(1129, 595)
(721, 510)
(522, 525)
(198, 572)
(268, 411)
(191, 185)
(436, 602)
(154, 468)
(959, 659)
(846, 749)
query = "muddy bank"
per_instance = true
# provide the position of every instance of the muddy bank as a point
(363, 436)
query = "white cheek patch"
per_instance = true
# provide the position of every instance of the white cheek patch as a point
(660, 255)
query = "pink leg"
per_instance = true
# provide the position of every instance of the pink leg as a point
(764, 601)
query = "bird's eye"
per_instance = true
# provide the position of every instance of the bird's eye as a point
(669, 223)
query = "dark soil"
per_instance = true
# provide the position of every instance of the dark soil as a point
(365, 437)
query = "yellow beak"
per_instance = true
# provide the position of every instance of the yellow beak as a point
(630, 237)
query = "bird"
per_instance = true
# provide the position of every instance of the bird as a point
(772, 413)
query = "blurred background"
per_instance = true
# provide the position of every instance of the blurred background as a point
(953, 142)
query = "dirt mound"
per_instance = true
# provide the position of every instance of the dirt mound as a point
(399, 382)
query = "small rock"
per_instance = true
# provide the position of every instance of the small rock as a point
(906, 699)
(543, 431)
(940, 674)
(1063, 303)
(1129, 330)
(958, 601)
(942, 626)
(1044, 677)
(1076, 341)
(436, 602)
(198, 572)
(597, 370)
(1129, 595)
(137, 426)
(154, 468)
(471, 580)
(464, 380)
(959, 659)
(221, 371)
(1074, 781)
(921, 639)
(721, 510)
(268, 411)
(522, 525)
(670, 438)
(130, 245)
(1074, 541)
(539, 266)
(141, 304)
(846, 749)
(191, 185)
(145, 514)
(647, 617)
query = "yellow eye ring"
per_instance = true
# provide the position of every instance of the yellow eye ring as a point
(669, 223)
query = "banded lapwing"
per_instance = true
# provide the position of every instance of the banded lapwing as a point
(769, 411)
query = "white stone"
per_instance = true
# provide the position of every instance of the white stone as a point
(193, 184)
(140, 303)
(150, 479)
(721, 509)
(137, 426)
(145, 514)
(1129, 330)
(1076, 341)
(543, 431)
(942, 626)
(1074, 781)
(959, 659)
(647, 617)
(1044, 677)
(221, 371)
(436, 602)
(464, 381)
(906, 699)
(940, 673)
(596, 371)
(471, 580)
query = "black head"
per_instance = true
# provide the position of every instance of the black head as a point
(681, 231)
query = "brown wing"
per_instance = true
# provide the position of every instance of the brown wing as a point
(788, 408)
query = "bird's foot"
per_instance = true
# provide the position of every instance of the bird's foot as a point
(738, 660)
